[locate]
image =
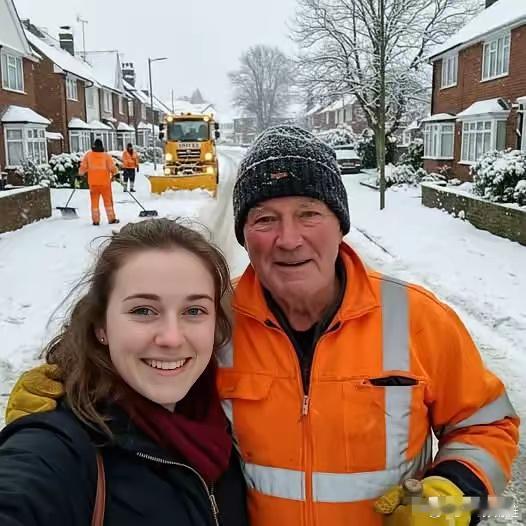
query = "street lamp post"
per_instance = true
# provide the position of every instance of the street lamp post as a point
(150, 60)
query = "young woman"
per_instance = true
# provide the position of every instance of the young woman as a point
(136, 360)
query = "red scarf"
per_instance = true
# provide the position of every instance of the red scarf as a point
(197, 430)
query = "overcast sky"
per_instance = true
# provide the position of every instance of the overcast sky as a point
(203, 39)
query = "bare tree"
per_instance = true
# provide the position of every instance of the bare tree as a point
(262, 84)
(374, 50)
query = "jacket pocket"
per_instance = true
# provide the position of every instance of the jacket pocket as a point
(246, 400)
(385, 418)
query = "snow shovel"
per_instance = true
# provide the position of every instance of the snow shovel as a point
(68, 211)
(143, 212)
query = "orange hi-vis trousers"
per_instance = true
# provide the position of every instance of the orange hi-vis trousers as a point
(96, 192)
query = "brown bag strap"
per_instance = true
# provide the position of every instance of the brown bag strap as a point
(100, 497)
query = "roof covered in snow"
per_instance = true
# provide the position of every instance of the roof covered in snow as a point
(23, 114)
(440, 117)
(97, 125)
(78, 124)
(11, 31)
(125, 127)
(62, 59)
(107, 68)
(484, 107)
(501, 15)
(339, 104)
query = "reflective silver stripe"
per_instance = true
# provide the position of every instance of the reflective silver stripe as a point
(276, 482)
(225, 355)
(395, 326)
(354, 487)
(476, 455)
(490, 413)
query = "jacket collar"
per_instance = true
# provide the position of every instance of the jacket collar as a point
(359, 296)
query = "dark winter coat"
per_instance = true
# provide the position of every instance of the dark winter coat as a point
(48, 477)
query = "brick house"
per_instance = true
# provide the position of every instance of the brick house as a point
(64, 79)
(343, 111)
(479, 90)
(22, 128)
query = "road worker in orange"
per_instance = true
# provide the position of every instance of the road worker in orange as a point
(338, 376)
(100, 168)
(130, 164)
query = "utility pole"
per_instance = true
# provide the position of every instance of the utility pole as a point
(83, 22)
(173, 105)
(380, 141)
(150, 60)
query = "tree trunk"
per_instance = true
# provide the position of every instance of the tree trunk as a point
(380, 134)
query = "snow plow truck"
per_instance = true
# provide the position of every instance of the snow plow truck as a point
(190, 158)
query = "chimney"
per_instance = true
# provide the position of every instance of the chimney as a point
(66, 40)
(489, 3)
(128, 73)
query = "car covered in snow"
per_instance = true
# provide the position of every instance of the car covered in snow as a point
(347, 158)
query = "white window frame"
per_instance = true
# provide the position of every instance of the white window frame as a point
(84, 140)
(12, 69)
(72, 91)
(143, 111)
(449, 71)
(33, 142)
(406, 138)
(131, 108)
(434, 133)
(496, 57)
(107, 101)
(479, 136)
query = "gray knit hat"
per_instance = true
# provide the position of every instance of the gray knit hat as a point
(289, 161)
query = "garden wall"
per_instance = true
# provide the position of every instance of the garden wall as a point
(21, 206)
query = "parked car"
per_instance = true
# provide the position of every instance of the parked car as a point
(348, 158)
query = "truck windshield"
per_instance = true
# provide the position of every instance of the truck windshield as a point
(188, 131)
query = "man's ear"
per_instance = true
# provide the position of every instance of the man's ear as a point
(100, 334)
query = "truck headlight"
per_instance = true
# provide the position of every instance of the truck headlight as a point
(167, 171)
(210, 170)
(209, 156)
(169, 157)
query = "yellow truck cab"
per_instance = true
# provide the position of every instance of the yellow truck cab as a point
(190, 157)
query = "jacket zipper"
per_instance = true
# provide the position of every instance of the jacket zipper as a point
(305, 417)
(209, 492)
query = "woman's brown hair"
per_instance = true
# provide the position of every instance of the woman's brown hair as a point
(84, 364)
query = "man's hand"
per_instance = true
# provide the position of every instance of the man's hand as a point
(35, 391)
(447, 510)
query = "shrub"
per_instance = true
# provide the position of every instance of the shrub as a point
(414, 156)
(500, 177)
(367, 149)
(65, 166)
(33, 174)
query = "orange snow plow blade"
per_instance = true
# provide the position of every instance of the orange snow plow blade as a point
(162, 183)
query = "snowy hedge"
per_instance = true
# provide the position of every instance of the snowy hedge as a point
(367, 149)
(338, 136)
(500, 177)
(146, 154)
(402, 174)
(65, 166)
(36, 174)
(414, 156)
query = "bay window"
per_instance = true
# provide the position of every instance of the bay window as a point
(439, 140)
(25, 142)
(79, 141)
(480, 137)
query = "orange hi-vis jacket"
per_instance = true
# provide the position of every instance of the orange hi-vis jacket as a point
(130, 160)
(99, 166)
(394, 366)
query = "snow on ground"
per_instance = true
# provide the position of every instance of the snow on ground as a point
(480, 275)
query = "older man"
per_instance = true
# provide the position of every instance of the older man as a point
(338, 376)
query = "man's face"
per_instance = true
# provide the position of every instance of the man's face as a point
(292, 243)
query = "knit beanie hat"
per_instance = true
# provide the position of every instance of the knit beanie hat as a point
(289, 161)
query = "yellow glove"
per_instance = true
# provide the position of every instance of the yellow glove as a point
(35, 391)
(448, 510)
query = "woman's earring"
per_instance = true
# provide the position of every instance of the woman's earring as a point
(102, 339)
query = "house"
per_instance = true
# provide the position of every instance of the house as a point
(61, 81)
(111, 101)
(22, 128)
(342, 111)
(479, 90)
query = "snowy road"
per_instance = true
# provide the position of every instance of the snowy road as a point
(480, 275)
